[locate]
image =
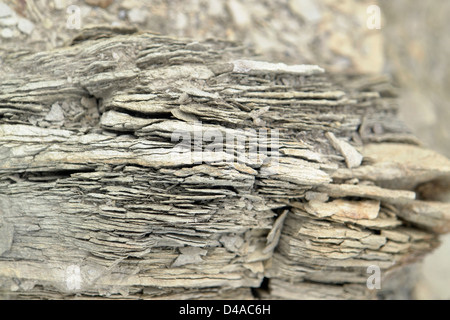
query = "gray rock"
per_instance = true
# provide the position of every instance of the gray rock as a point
(25, 26)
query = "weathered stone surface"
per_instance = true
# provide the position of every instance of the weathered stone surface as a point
(99, 197)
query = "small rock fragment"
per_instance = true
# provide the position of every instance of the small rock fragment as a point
(303, 153)
(352, 157)
(316, 196)
(232, 244)
(195, 46)
(9, 21)
(25, 26)
(56, 113)
(306, 9)
(192, 91)
(189, 255)
(5, 10)
(342, 208)
(371, 192)
(7, 33)
(430, 215)
(6, 236)
(122, 14)
(188, 117)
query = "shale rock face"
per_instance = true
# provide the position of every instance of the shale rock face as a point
(141, 166)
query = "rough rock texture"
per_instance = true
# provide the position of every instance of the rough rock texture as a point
(98, 200)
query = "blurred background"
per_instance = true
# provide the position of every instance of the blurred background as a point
(404, 39)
